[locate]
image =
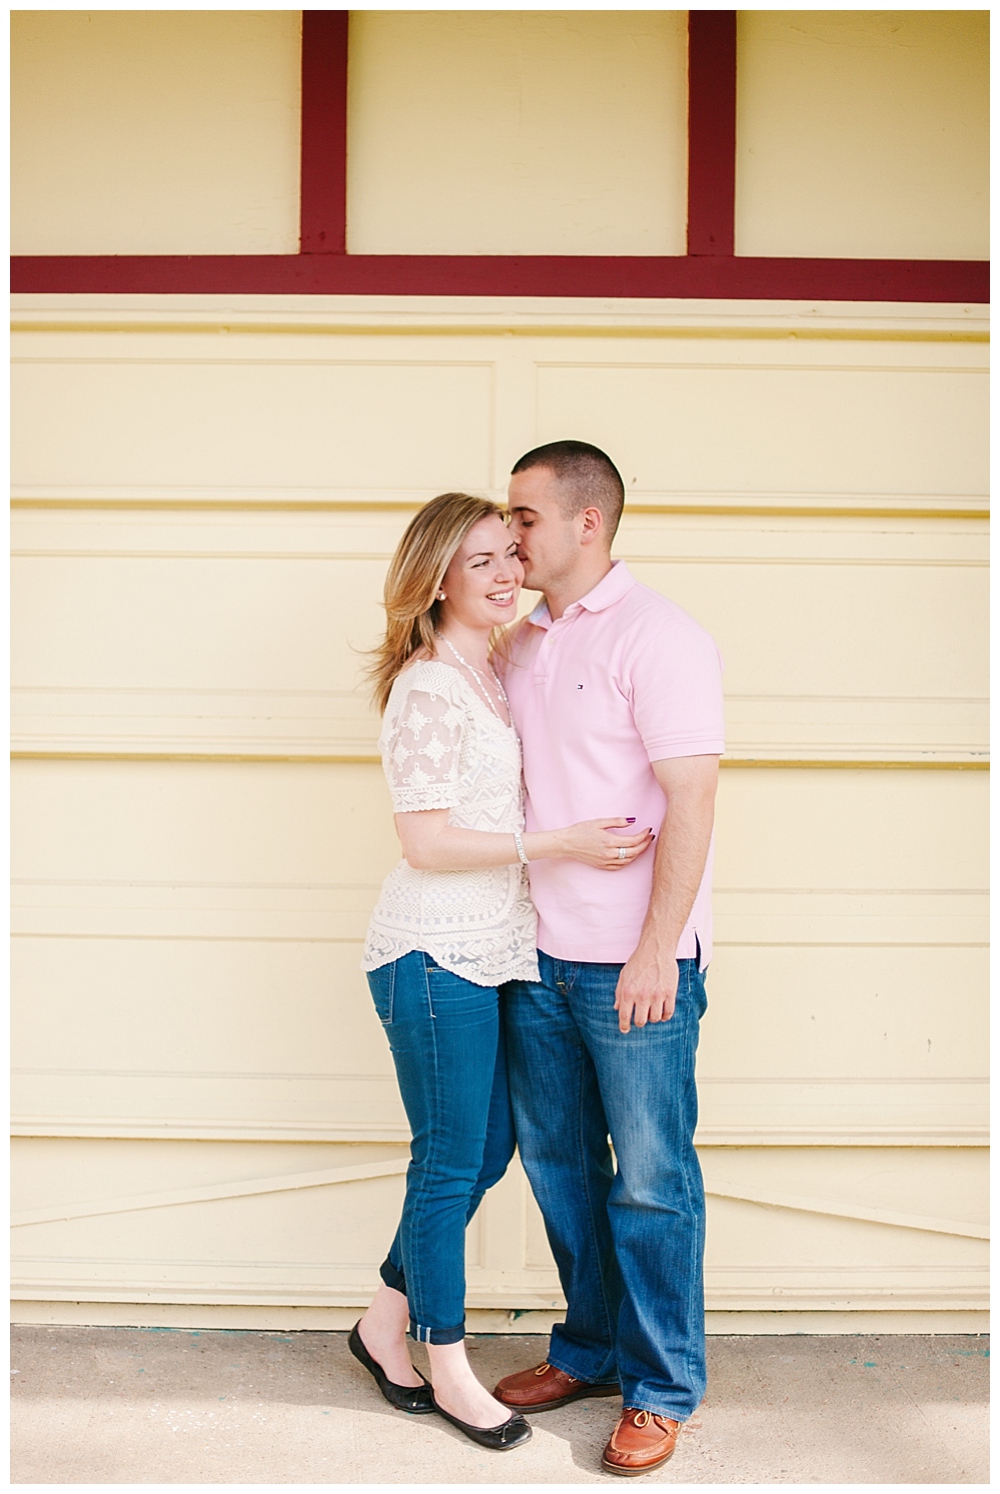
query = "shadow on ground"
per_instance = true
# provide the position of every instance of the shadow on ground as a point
(127, 1405)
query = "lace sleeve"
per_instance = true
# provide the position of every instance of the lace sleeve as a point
(421, 752)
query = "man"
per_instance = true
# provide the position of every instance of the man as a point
(616, 693)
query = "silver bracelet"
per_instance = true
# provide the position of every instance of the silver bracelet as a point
(521, 854)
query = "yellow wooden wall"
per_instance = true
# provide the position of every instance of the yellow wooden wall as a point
(155, 131)
(861, 133)
(207, 490)
(207, 494)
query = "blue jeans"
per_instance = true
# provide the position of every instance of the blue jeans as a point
(628, 1242)
(447, 1043)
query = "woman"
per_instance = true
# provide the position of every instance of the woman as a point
(453, 923)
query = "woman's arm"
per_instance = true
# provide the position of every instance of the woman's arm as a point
(422, 766)
(431, 844)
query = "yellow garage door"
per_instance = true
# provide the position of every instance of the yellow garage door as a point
(208, 1128)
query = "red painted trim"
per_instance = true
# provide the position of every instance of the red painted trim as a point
(323, 193)
(711, 131)
(507, 275)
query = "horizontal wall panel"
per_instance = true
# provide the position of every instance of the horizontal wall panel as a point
(333, 913)
(813, 1111)
(822, 1245)
(327, 826)
(885, 1184)
(832, 1009)
(806, 629)
(859, 427)
(884, 1292)
(248, 666)
(858, 727)
(259, 1106)
(339, 725)
(57, 1183)
(260, 613)
(252, 424)
(236, 823)
(852, 829)
(155, 131)
(217, 723)
(687, 412)
(649, 533)
(333, 1107)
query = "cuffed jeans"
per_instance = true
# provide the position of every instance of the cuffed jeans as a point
(448, 1046)
(628, 1243)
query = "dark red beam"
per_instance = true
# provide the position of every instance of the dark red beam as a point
(323, 195)
(711, 131)
(508, 275)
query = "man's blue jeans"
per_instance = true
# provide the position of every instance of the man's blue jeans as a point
(628, 1242)
(447, 1043)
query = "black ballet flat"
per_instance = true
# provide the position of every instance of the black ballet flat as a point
(416, 1399)
(513, 1433)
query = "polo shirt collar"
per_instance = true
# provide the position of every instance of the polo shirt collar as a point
(610, 589)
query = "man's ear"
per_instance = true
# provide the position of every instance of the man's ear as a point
(591, 525)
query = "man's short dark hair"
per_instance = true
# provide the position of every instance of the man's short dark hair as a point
(587, 477)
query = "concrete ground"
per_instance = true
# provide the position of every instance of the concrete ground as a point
(176, 1406)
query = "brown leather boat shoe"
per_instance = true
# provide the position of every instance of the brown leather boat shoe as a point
(545, 1387)
(640, 1442)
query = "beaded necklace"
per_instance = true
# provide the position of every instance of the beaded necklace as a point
(481, 681)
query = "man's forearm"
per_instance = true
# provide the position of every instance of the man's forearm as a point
(647, 985)
(685, 836)
(681, 853)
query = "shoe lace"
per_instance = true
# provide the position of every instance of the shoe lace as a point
(544, 1368)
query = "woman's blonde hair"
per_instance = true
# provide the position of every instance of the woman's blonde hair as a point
(415, 574)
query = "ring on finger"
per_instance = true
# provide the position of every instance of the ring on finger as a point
(621, 853)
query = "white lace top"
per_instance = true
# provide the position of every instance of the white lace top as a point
(443, 748)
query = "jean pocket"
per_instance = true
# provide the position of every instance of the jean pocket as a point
(382, 984)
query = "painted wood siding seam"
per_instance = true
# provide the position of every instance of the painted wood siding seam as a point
(368, 1171)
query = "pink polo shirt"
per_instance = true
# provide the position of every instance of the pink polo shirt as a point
(621, 680)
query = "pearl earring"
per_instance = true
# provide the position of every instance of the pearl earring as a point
(441, 596)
